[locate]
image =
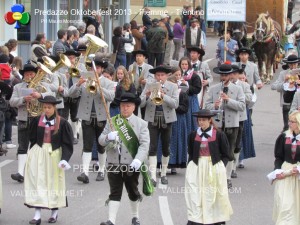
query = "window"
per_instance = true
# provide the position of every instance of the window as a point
(24, 31)
(155, 3)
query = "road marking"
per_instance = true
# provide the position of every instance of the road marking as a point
(208, 60)
(5, 162)
(165, 210)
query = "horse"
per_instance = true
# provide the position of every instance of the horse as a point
(266, 43)
(239, 32)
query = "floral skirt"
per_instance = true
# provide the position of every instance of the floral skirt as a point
(286, 210)
(206, 192)
(44, 181)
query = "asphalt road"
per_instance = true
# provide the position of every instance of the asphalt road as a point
(251, 196)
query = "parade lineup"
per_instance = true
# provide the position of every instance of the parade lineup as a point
(169, 113)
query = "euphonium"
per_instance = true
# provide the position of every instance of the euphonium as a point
(155, 96)
(34, 107)
(93, 45)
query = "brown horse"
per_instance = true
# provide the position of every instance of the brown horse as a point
(266, 43)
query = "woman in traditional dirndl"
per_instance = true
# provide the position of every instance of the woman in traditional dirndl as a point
(286, 210)
(193, 81)
(206, 192)
(51, 147)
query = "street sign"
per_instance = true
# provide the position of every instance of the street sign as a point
(226, 10)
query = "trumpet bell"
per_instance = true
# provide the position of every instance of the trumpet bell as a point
(48, 62)
(74, 72)
(91, 86)
(157, 101)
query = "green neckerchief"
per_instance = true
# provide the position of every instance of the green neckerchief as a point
(131, 142)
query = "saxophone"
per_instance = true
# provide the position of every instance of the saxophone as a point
(34, 107)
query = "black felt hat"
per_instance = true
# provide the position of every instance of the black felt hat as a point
(165, 69)
(72, 52)
(237, 69)
(141, 52)
(50, 100)
(224, 69)
(129, 97)
(28, 67)
(197, 49)
(243, 49)
(291, 59)
(204, 113)
(98, 62)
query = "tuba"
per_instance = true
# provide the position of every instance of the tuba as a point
(34, 107)
(93, 45)
(155, 96)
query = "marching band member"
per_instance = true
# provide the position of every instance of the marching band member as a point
(287, 183)
(202, 69)
(292, 62)
(230, 99)
(205, 180)
(128, 158)
(250, 68)
(139, 71)
(160, 118)
(92, 113)
(243, 114)
(51, 142)
(20, 99)
(193, 81)
(71, 104)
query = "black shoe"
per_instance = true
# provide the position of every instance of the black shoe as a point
(100, 176)
(83, 178)
(2, 151)
(34, 221)
(173, 171)
(107, 223)
(241, 166)
(75, 141)
(153, 182)
(164, 180)
(135, 221)
(17, 177)
(233, 174)
(229, 184)
(52, 220)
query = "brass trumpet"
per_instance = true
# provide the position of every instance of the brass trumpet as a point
(156, 96)
(74, 71)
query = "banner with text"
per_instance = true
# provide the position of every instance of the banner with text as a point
(226, 10)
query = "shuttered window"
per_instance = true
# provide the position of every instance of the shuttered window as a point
(155, 3)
